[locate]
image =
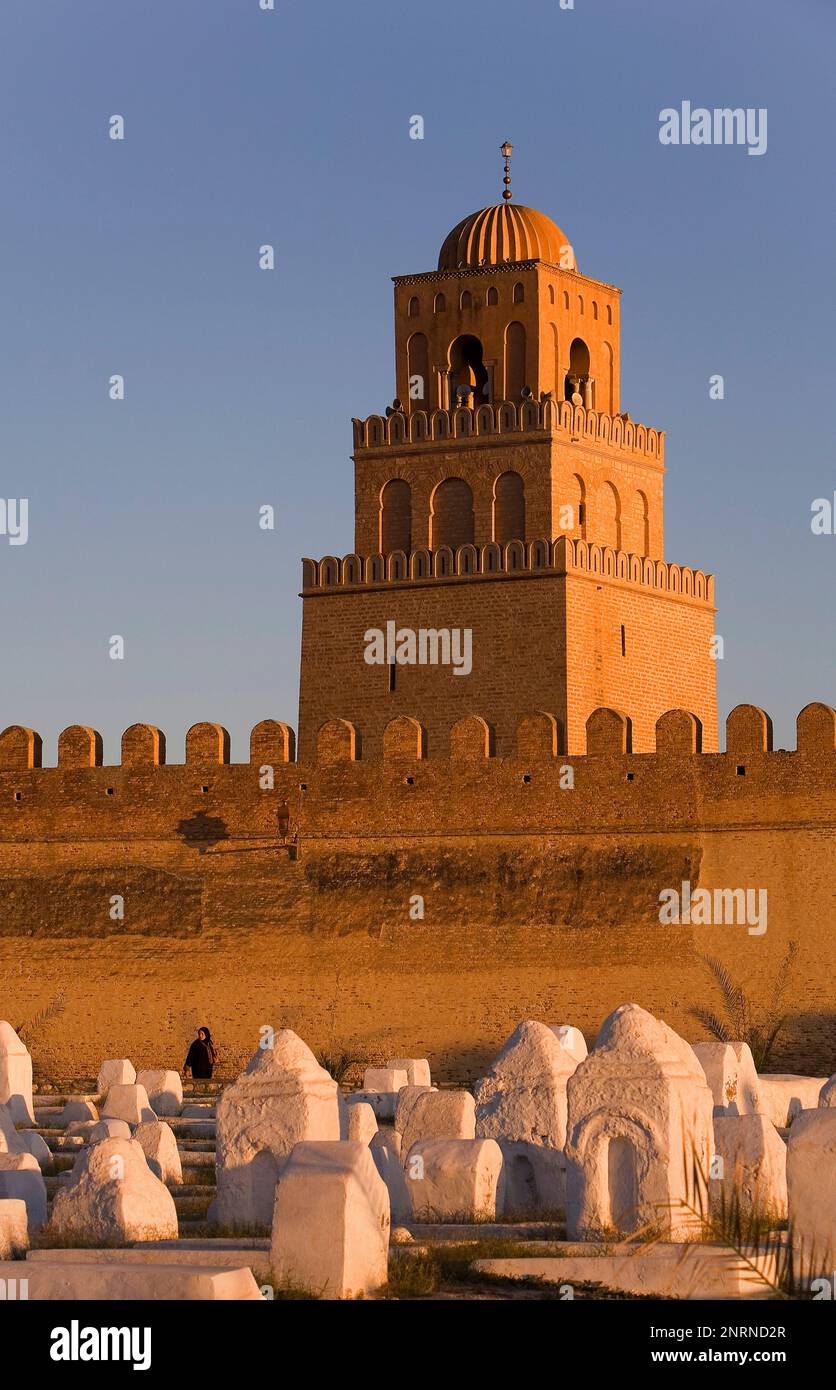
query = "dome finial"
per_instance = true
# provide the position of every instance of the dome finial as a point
(507, 149)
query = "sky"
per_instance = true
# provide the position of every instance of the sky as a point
(291, 127)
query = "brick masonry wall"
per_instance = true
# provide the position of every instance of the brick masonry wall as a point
(557, 307)
(667, 662)
(549, 466)
(551, 642)
(518, 657)
(480, 463)
(538, 901)
(600, 470)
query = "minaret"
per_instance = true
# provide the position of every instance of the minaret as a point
(504, 491)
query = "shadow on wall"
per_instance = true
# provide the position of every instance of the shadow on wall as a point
(202, 832)
(116, 900)
(578, 888)
(807, 1045)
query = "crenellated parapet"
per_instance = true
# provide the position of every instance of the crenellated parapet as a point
(547, 417)
(339, 741)
(515, 558)
(144, 746)
(608, 735)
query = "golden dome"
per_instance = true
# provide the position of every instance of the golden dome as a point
(507, 232)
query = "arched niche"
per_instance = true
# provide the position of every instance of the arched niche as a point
(515, 378)
(451, 515)
(418, 369)
(396, 516)
(509, 508)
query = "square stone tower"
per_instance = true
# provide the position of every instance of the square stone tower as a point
(505, 494)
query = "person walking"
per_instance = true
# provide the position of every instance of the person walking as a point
(201, 1057)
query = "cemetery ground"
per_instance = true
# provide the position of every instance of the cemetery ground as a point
(646, 1168)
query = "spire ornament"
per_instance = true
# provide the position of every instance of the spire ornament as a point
(507, 149)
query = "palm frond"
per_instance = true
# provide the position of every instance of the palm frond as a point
(740, 1020)
(712, 1023)
(339, 1064)
(733, 996)
(36, 1022)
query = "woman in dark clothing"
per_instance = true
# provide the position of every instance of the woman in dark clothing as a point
(201, 1056)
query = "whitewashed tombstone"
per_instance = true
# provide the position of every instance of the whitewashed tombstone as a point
(283, 1097)
(751, 1177)
(157, 1141)
(439, 1115)
(571, 1039)
(827, 1094)
(117, 1071)
(534, 1180)
(811, 1193)
(76, 1108)
(21, 1177)
(165, 1090)
(331, 1221)
(113, 1198)
(361, 1123)
(417, 1069)
(380, 1089)
(128, 1103)
(385, 1149)
(730, 1072)
(523, 1096)
(781, 1095)
(454, 1179)
(94, 1131)
(407, 1097)
(11, 1141)
(34, 1144)
(639, 1134)
(15, 1076)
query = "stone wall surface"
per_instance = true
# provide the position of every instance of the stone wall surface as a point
(296, 905)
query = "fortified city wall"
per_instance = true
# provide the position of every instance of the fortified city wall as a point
(275, 891)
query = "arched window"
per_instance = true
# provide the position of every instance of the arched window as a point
(452, 514)
(609, 314)
(467, 369)
(466, 300)
(594, 309)
(519, 293)
(566, 299)
(514, 361)
(555, 363)
(418, 366)
(580, 303)
(396, 517)
(640, 540)
(492, 296)
(439, 304)
(577, 501)
(610, 378)
(551, 294)
(509, 508)
(414, 307)
(578, 369)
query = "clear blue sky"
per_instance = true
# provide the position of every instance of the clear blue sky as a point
(292, 127)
